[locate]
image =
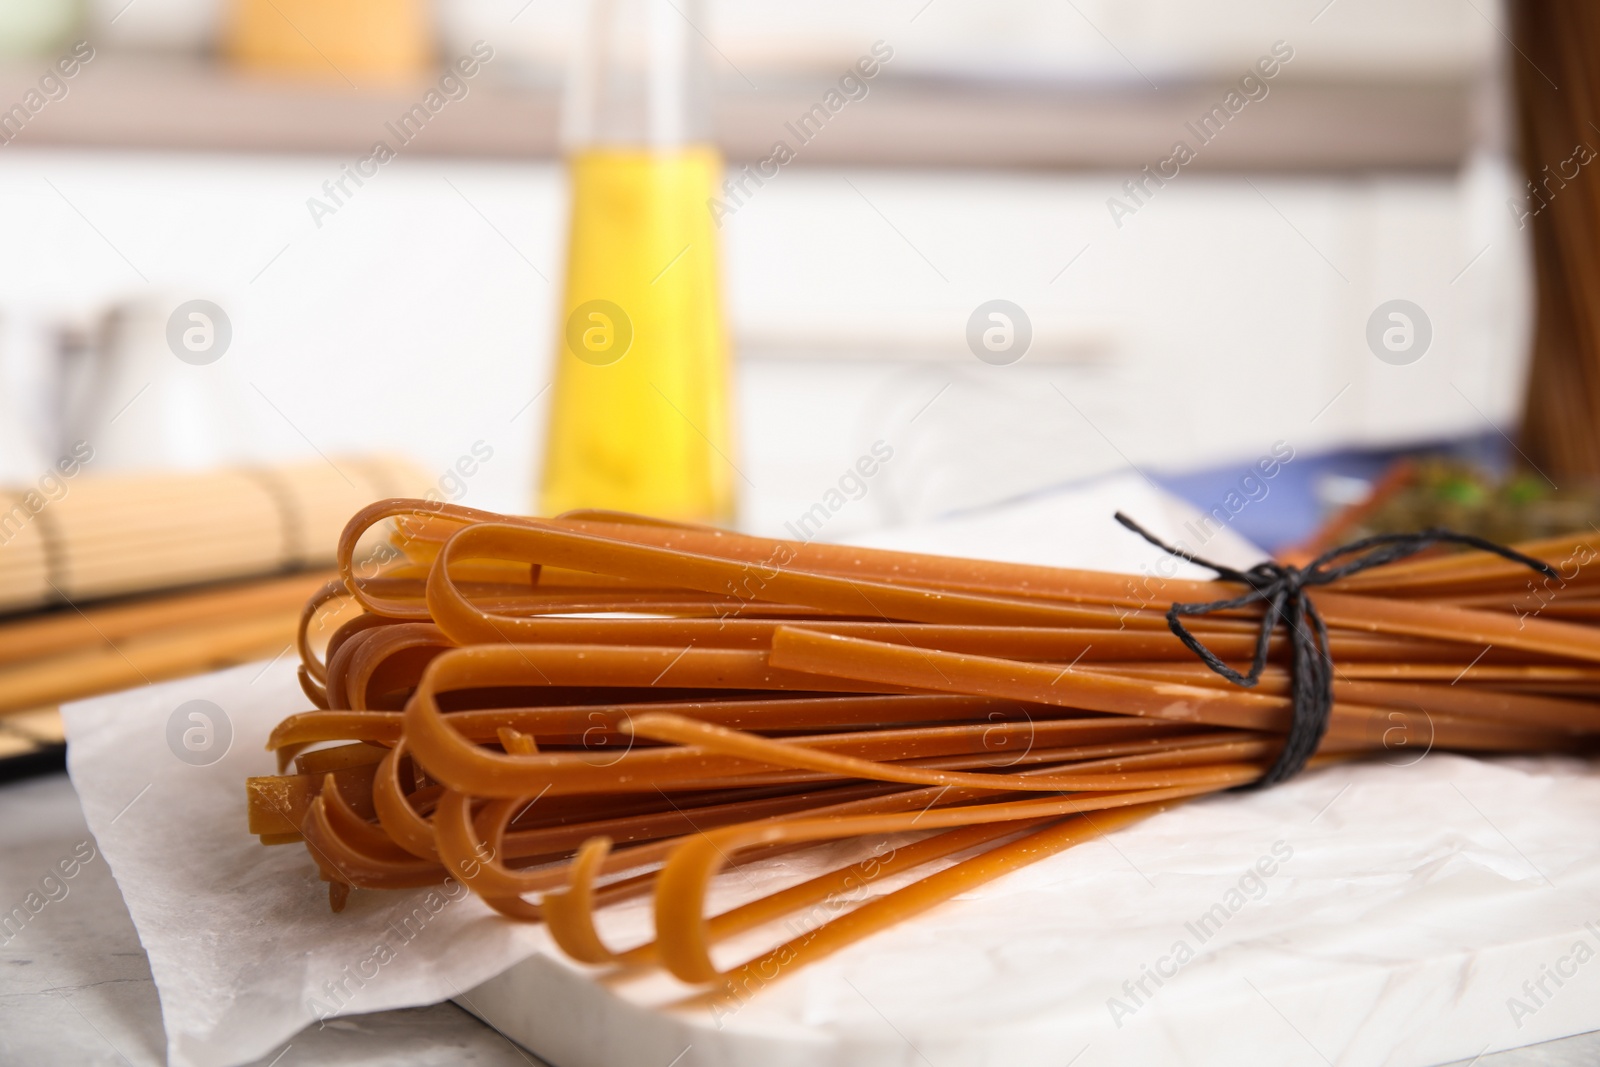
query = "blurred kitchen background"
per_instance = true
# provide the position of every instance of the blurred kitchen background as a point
(1195, 329)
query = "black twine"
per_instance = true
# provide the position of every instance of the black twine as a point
(1282, 588)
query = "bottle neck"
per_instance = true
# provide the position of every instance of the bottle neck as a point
(638, 77)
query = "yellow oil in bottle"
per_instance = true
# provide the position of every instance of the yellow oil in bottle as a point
(639, 415)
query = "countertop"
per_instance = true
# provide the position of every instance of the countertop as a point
(75, 986)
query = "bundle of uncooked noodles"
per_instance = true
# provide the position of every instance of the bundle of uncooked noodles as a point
(565, 713)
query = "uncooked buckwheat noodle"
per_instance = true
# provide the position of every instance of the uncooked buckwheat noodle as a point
(566, 714)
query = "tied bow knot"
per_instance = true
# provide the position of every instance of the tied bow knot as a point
(1282, 590)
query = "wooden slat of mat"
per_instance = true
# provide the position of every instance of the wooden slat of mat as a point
(144, 659)
(31, 742)
(68, 630)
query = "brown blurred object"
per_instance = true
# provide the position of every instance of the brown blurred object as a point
(353, 41)
(146, 658)
(50, 658)
(1351, 521)
(1425, 492)
(32, 639)
(115, 535)
(211, 570)
(32, 742)
(1558, 102)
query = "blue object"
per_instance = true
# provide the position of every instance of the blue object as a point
(1290, 506)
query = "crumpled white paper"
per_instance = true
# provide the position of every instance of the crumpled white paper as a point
(1393, 870)
(1390, 912)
